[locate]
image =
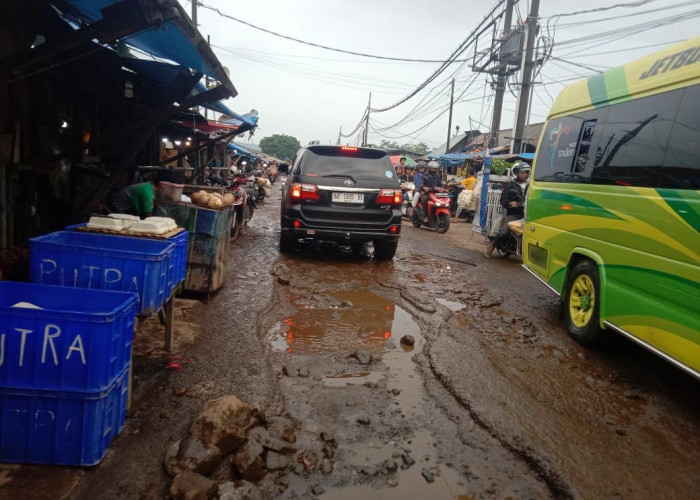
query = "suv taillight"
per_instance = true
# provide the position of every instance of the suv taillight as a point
(389, 196)
(304, 192)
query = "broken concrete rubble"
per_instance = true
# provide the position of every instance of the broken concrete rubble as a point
(225, 423)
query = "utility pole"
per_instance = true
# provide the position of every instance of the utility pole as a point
(194, 13)
(340, 135)
(501, 77)
(366, 134)
(449, 125)
(527, 67)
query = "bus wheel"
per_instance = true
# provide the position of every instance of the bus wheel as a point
(582, 303)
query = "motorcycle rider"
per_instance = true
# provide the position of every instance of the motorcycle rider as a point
(428, 182)
(513, 200)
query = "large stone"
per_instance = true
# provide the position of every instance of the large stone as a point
(248, 460)
(191, 455)
(408, 340)
(262, 436)
(192, 486)
(225, 423)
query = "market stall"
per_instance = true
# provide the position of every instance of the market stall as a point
(207, 255)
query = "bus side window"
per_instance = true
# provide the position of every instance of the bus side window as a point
(681, 168)
(555, 157)
(634, 140)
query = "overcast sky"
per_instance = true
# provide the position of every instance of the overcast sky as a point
(310, 93)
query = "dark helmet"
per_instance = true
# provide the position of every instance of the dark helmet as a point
(420, 164)
(521, 166)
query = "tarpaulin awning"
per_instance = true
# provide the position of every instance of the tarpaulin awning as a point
(239, 150)
(236, 119)
(176, 40)
(164, 73)
(456, 159)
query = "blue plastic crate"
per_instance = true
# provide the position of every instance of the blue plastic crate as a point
(90, 260)
(80, 339)
(61, 427)
(181, 241)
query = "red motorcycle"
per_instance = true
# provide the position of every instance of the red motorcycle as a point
(438, 211)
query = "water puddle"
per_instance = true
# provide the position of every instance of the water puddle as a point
(355, 320)
(363, 320)
(452, 305)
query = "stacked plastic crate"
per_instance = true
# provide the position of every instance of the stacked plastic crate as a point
(65, 351)
(65, 355)
(107, 262)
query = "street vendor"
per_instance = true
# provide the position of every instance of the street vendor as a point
(469, 181)
(136, 199)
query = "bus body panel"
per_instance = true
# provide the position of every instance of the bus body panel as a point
(644, 239)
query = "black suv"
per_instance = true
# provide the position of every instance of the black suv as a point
(342, 193)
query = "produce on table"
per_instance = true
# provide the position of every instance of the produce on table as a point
(212, 200)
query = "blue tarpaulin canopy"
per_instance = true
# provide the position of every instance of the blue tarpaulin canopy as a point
(176, 40)
(168, 41)
(239, 150)
(164, 73)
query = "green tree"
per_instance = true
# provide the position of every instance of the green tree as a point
(421, 148)
(280, 145)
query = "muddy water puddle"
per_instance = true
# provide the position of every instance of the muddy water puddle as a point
(355, 320)
(350, 320)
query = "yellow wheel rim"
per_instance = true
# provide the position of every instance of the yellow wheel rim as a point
(582, 301)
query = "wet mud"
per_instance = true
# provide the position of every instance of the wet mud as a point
(491, 400)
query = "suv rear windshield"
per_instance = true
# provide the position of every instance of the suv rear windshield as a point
(360, 163)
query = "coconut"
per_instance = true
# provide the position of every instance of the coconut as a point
(214, 202)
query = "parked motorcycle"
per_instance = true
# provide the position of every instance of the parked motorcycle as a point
(453, 191)
(243, 203)
(513, 243)
(437, 211)
(250, 187)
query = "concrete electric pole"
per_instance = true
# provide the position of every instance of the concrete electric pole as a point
(501, 78)
(449, 125)
(366, 134)
(519, 139)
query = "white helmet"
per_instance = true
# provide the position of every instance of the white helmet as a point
(433, 164)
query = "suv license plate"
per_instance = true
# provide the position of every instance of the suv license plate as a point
(348, 197)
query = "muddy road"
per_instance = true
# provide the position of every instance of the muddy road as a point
(491, 400)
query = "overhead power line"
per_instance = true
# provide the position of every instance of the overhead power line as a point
(358, 126)
(638, 3)
(313, 44)
(470, 40)
(587, 22)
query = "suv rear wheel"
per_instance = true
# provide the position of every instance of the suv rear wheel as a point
(385, 250)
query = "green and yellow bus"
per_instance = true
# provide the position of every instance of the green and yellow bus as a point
(613, 210)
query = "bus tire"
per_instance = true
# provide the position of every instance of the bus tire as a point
(582, 303)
